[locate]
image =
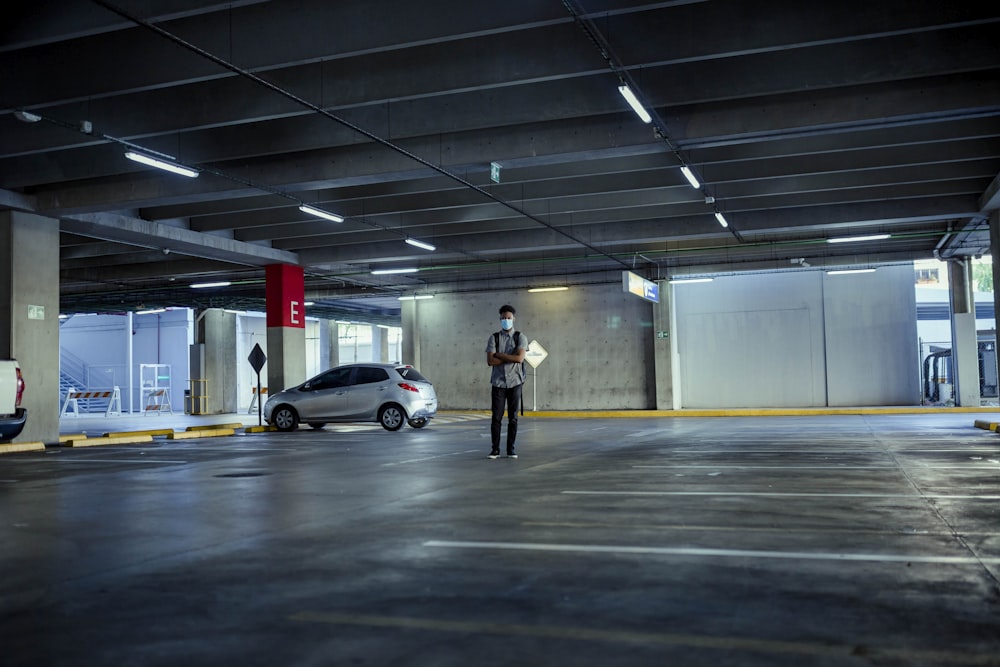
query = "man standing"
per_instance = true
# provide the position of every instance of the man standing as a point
(504, 353)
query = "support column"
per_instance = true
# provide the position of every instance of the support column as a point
(995, 253)
(964, 345)
(213, 360)
(29, 316)
(662, 349)
(286, 326)
(410, 348)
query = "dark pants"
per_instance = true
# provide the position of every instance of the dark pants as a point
(511, 398)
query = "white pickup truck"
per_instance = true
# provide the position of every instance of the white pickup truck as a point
(12, 415)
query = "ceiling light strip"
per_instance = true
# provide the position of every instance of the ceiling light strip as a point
(172, 167)
(421, 244)
(320, 213)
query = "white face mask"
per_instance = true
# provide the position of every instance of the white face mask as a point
(506, 325)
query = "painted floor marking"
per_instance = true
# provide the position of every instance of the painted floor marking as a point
(717, 553)
(120, 461)
(579, 633)
(430, 458)
(832, 467)
(904, 531)
(778, 494)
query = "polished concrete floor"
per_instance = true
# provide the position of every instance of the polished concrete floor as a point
(771, 541)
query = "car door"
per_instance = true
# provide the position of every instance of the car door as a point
(369, 390)
(326, 397)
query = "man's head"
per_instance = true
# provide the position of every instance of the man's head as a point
(506, 317)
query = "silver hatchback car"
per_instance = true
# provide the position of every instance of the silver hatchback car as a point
(389, 394)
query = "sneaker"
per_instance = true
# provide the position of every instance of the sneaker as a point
(494, 455)
(512, 455)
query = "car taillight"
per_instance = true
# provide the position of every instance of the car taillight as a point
(408, 387)
(20, 388)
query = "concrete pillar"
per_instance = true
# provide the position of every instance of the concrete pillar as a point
(286, 326)
(410, 346)
(214, 362)
(380, 344)
(995, 253)
(333, 343)
(662, 349)
(29, 316)
(965, 346)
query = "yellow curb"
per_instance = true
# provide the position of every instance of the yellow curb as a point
(214, 427)
(150, 432)
(201, 433)
(119, 440)
(14, 447)
(75, 436)
(260, 429)
(989, 426)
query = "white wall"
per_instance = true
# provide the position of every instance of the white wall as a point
(798, 339)
(102, 341)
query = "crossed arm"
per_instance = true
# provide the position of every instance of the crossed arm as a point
(498, 358)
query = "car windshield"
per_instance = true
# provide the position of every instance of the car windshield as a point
(412, 374)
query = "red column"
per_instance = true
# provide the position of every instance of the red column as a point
(285, 296)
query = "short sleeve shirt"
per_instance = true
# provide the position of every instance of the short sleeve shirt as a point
(507, 375)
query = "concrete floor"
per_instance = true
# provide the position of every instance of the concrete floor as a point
(822, 540)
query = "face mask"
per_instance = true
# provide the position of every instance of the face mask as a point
(506, 325)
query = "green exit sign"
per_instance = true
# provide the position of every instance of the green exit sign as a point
(495, 172)
(663, 334)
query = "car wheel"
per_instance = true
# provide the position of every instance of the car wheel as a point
(317, 425)
(391, 417)
(285, 418)
(420, 422)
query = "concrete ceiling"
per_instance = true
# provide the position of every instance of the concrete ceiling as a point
(803, 121)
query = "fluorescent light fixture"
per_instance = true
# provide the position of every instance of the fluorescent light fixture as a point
(844, 272)
(309, 303)
(722, 219)
(420, 244)
(688, 174)
(151, 311)
(548, 289)
(386, 272)
(27, 116)
(320, 213)
(633, 102)
(161, 164)
(853, 239)
(681, 281)
(224, 283)
(416, 297)
(383, 326)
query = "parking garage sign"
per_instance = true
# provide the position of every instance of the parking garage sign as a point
(535, 354)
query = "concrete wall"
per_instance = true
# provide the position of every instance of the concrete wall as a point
(599, 342)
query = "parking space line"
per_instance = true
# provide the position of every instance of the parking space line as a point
(833, 467)
(717, 553)
(780, 494)
(429, 458)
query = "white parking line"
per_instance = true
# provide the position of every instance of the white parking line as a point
(833, 467)
(775, 494)
(719, 553)
(429, 458)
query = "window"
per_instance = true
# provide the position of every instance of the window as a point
(367, 375)
(338, 377)
(410, 373)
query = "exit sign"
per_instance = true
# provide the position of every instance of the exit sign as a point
(495, 172)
